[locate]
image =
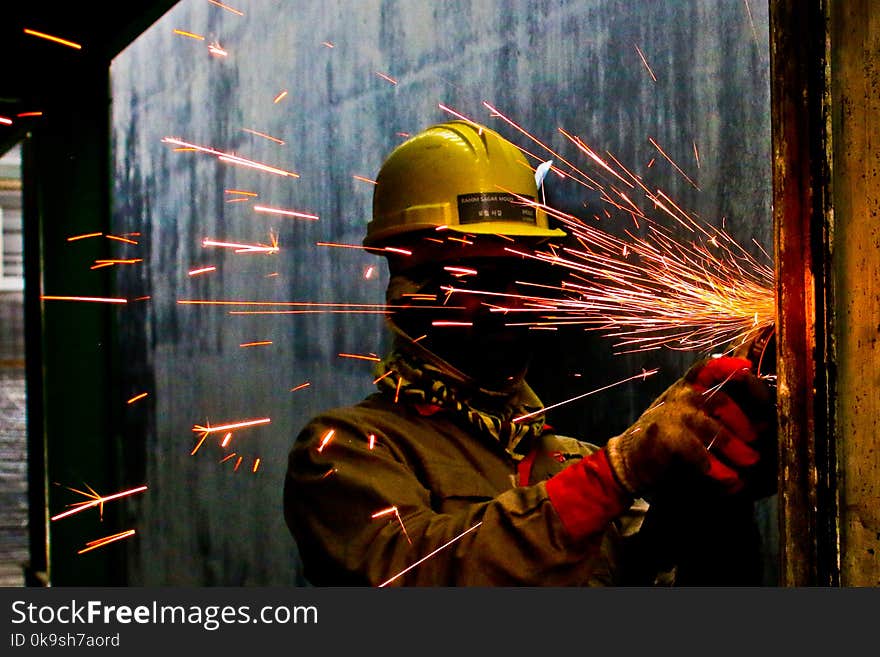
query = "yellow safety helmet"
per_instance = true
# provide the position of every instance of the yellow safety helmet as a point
(457, 175)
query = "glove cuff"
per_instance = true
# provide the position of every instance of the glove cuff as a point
(619, 468)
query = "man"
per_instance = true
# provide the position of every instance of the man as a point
(448, 475)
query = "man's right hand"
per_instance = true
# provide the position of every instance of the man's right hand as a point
(696, 427)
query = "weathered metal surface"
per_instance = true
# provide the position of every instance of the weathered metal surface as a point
(855, 90)
(546, 64)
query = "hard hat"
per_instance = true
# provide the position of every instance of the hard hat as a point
(461, 176)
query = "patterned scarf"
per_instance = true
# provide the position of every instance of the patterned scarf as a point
(415, 375)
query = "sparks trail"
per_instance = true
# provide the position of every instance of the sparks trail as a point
(229, 158)
(647, 290)
(428, 556)
(101, 542)
(95, 500)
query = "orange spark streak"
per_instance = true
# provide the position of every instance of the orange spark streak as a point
(462, 271)
(49, 37)
(5, 120)
(280, 96)
(191, 35)
(101, 542)
(397, 390)
(447, 323)
(255, 344)
(230, 158)
(226, 458)
(137, 397)
(286, 213)
(242, 248)
(428, 556)
(645, 62)
(24, 114)
(301, 386)
(642, 376)
(388, 373)
(366, 180)
(120, 239)
(97, 500)
(327, 44)
(264, 136)
(237, 463)
(239, 191)
(234, 425)
(227, 8)
(199, 444)
(386, 77)
(360, 357)
(203, 270)
(326, 439)
(696, 154)
(677, 168)
(226, 439)
(389, 511)
(256, 464)
(82, 237)
(95, 299)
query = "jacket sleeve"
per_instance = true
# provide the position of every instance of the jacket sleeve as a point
(360, 516)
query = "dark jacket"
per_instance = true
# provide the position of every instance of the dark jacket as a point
(402, 494)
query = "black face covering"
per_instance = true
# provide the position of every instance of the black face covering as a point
(479, 329)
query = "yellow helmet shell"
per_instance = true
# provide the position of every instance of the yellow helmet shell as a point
(461, 176)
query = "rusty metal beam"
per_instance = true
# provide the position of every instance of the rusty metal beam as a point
(855, 90)
(802, 216)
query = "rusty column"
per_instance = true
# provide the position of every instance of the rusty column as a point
(855, 93)
(825, 99)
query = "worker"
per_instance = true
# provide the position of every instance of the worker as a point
(448, 474)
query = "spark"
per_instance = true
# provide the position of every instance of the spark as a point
(328, 473)
(256, 465)
(27, 114)
(386, 77)
(461, 271)
(49, 37)
(82, 237)
(286, 213)
(449, 323)
(95, 500)
(428, 556)
(366, 180)
(301, 386)
(226, 439)
(372, 440)
(264, 136)
(326, 438)
(371, 357)
(368, 272)
(116, 238)
(393, 510)
(327, 44)
(751, 20)
(229, 456)
(202, 270)
(670, 160)
(255, 344)
(137, 398)
(242, 248)
(231, 426)
(281, 95)
(387, 374)
(229, 158)
(191, 35)
(237, 463)
(645, 62)
(696, 154)
(91, 299)
(227, 8)
(5, 121)
(101, 542)
(642, 376)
